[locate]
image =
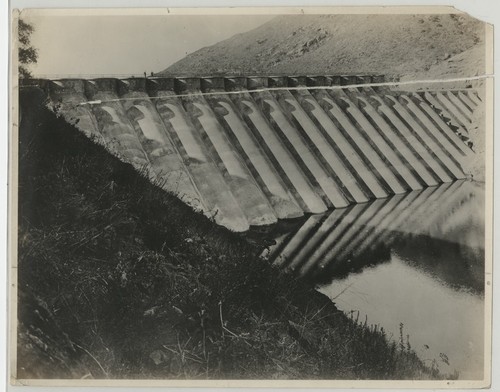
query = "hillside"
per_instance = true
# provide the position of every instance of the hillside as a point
(470, 62)
(339, 44)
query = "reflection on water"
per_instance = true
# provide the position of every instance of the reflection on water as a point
(416, 259)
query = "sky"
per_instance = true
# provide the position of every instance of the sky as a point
(126, 45)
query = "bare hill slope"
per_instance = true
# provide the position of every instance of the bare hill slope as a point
(348, 44)
(470, 62)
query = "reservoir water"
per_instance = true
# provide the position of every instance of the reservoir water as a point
(412, 264)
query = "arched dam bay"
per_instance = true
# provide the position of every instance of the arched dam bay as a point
(250, 151)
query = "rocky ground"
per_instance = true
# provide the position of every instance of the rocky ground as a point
(470, 62)
(477, 135)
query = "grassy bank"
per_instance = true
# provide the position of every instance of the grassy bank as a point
(118, 279)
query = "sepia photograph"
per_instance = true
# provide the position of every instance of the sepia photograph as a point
(295, 197)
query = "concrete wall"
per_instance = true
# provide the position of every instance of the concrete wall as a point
(260, 154)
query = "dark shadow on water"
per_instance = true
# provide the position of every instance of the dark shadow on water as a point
(459, 266)
(439, 231)
(380, 254)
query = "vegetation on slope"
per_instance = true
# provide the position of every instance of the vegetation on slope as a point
(339, 44)
(118, 279)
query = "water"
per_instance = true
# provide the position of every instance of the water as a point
(415, 259)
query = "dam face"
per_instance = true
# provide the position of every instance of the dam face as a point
(248, 151)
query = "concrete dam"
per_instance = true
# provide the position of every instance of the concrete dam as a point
(248, 151)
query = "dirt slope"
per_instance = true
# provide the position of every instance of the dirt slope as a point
(470, 62)
(349, 44)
